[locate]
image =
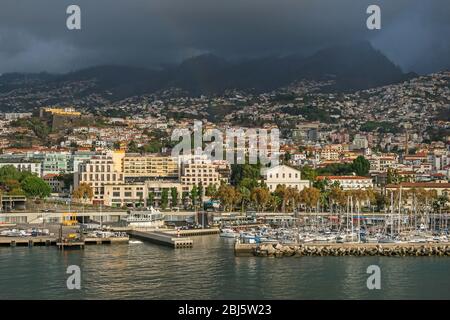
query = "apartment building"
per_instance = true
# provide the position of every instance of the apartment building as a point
(99, 171)
(149, 167)
(331, 152)
(204, 173)
(382, 163)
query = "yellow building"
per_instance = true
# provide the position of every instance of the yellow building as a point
(149, 167)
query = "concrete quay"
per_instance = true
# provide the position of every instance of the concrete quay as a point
(163, 238)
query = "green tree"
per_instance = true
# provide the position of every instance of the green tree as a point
(245, 197)
(200, 192)
(35, 187)
(211, 190)
(164, 198)
(308, 173)
(194, 195)
(150, 198)
(174, 196)
(361, 166)
(249, 183)
(242, 171)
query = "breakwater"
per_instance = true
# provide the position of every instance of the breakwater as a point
(345, 249)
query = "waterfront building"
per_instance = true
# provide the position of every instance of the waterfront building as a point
(284, 175)
(99, 171)
(149, 167)
(148, 193)
(205, 173)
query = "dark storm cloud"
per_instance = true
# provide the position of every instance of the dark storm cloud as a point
(33, 35)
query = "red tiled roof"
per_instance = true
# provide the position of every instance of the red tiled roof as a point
(343, 178)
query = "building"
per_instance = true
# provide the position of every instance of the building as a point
(331, 152)
(349, 182)
(56, 163)
(24, 165)
(150, 167)
(54, 182)
(59, 118)
(360, 142)
(441, 189)
(147, 193)
(382, 163)
(204, 173)
(99, 171)
(284, 175)
(16, 115)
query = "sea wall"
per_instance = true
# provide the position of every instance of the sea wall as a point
(399, 250)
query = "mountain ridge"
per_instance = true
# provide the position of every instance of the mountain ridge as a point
(353, 66)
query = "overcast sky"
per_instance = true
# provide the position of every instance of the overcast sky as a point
(415, 34)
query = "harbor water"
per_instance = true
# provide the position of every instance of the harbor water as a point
(211, 271)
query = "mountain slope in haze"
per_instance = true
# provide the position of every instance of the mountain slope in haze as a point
(353, 66)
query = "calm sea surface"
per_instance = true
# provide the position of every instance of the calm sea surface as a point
(211, 271)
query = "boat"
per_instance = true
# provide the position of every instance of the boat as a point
(15, 233)
(135, 242)
(228, 233)
(146, 218)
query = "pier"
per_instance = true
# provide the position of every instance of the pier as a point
(163, 238)
(53, 241)
(27, 241)
(194, 232)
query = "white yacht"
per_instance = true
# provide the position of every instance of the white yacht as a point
(228, 233)
(147, 218)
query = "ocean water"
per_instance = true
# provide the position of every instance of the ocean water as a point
(211, 271)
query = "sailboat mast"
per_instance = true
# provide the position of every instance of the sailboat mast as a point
(400, 211)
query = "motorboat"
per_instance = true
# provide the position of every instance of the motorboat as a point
(146, 218)
(228, 233)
